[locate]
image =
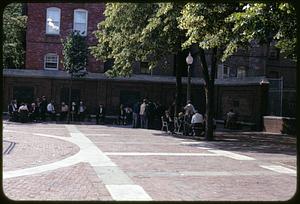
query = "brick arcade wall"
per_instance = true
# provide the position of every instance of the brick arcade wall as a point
(93, 92)
(38, 43)
(246, 100)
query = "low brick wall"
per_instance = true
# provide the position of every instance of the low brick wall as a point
(276, 124)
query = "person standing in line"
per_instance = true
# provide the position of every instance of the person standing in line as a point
(63, 111)
(81, 111)
(100, 114)
(51, 110)
(151, 114)
(43, 108)
(135, 114)
(143, 114)
(122, 116)
(73, 112)
(38, 107)
(13, 111)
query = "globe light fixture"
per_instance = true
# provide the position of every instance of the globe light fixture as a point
(189, 60)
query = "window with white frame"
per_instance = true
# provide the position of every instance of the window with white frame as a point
(53, 21)
(51, 61)
(241, 72)
(80, 21)
(225, 71)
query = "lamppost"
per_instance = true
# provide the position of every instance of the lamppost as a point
(189, 61)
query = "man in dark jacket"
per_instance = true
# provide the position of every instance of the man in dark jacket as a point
(33, 112)
(135, 114)
(13, 111)
(43, 108)
(100, 114)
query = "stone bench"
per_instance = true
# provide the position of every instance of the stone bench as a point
(110, 119)
(252, 126)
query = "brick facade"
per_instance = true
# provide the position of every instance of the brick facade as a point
(39, 43)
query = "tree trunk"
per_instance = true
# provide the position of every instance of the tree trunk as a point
(209, 133)
(178, 74)
(70, 94)
(209, 93)
(209, 79)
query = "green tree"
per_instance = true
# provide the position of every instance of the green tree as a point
(75, 57)
(14, 26)
(265, 22)
(141, 32)
(207, 30)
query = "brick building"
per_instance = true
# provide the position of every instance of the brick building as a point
(241, 82)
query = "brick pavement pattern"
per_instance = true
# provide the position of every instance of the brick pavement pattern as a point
(162, 166)
(31, 150)
(78, 182)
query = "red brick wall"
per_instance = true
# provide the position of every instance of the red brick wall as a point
(38, 43)
(279, 125)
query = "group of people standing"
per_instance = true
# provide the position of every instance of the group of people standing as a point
(146, 114)
(41, 110)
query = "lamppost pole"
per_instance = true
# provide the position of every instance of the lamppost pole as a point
(189, 61)
(188, 95)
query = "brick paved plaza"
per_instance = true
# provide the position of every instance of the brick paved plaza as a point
(96, 162)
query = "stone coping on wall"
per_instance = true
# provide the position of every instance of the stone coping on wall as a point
(58, 74)
(278, 117)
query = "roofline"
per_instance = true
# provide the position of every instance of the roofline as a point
(58, 74)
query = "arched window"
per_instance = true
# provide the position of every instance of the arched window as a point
(51, 61)
(53, 21)
(80, 21)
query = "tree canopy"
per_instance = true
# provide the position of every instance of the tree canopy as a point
(138, 32)
(14, 26)
(266, 22)
(75, 53)
(151, 31)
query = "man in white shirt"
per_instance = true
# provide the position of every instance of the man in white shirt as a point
(143, 114)
(197, 123)
(197, 118)
(51, 110)
(81, 111)
(64, 111)
(23, 111)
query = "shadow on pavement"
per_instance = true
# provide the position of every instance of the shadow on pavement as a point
(257, 142)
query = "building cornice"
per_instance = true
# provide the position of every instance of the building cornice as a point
(58, 74)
